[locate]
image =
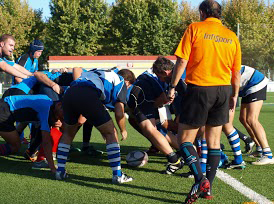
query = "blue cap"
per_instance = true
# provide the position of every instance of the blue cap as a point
(36, 45)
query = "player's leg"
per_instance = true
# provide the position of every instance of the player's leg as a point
(12, 143)
(249, 143)
(234, 141)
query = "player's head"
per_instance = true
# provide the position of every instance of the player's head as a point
(7, 43)
(128, 76)
(36, 48)
(163, 67)
(210, 8)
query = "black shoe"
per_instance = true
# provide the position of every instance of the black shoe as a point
(91, 151)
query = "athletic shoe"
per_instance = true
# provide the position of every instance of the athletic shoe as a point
(91, 151)
(54, 156)
(121, 179)
(152, 150)
(30, 157)
(24, 141)
(248, 147)
(59, 175)
(263, 161)
(74, 149)
(173, 167)
(197, 189)
(40, 165)
(255, 154)
(233, 165)
(206, 195)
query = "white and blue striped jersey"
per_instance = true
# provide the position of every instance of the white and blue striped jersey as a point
(111, 86)
(251, 81)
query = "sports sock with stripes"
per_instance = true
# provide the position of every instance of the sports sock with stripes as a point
(192, 159)
(62, 156)
(172, 157)
(234, 142)
(203, 158)
(113, 152)
(213, 159)
(5, 149)
(267, 152)
(259, 149)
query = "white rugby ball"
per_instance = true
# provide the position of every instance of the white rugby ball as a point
(137, 158)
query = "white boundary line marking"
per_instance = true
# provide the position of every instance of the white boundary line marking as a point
(249, 193)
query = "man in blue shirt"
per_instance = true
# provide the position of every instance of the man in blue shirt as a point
(7, 43)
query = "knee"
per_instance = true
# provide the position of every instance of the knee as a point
(251, 121)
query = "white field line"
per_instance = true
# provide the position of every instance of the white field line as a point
(249, 193)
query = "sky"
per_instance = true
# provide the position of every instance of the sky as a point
(44, 4)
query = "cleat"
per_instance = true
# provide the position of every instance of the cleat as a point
(31, 157)
(263, 161)
(248, 147)
(152, 150)
(255, 154)
(40, 165)
(54, 156)
(207, 195)
(121, 179)
(74, 149)
(59, 175)
(197, 189)
(24, 141)
(173, 167)
(233, 165)
(91, 151)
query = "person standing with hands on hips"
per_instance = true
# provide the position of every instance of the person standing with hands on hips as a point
(211, 55)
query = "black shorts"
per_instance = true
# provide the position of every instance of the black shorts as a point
(6, 118)
(13, 92)
(205, 105)
(84, 100)
(257, 96)
(140, 106)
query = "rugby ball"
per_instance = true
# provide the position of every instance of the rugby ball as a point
(137, 158)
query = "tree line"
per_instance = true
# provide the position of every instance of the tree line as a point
(133, 27)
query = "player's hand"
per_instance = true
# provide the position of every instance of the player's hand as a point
(171, 95)
(58, 89)
(124, 135)
(232, 103)
(58, 124)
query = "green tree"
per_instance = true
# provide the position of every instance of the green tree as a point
(143, 27)
(76, 27)
(256, 30)
(17, 19)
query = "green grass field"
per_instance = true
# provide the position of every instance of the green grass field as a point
(90, 178)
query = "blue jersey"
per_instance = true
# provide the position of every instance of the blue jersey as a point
(9, 62)
(52, 76)
(111, 87)
(251, 81)
(29, 63)
(26, 85)
(31, 108)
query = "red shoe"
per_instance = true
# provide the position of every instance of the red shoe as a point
(207, 196)
(24, 141)
(197, 189)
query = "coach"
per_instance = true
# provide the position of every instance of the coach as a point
(210, 53)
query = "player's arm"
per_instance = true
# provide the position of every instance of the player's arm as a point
(10, 70)
(120, 118)
(47, 145)
(77, 72)
(22, 69)
(161, 100)
(235, 83)
(44, 79)
(176, 76)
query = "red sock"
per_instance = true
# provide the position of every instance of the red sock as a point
(41, 155)
(55, 135)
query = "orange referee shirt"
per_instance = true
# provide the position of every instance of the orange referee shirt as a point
(212, 51)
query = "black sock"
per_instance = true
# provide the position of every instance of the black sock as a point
(172, 157)
(213, 159)
(192, 159)
(243, 137)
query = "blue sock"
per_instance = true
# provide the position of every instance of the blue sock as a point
(62, 156)
(113, 152)
(234, 142)
(203, 159)
(5, 149)
(267, 152)
(192, 159)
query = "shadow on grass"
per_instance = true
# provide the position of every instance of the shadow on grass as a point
(18, 167)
